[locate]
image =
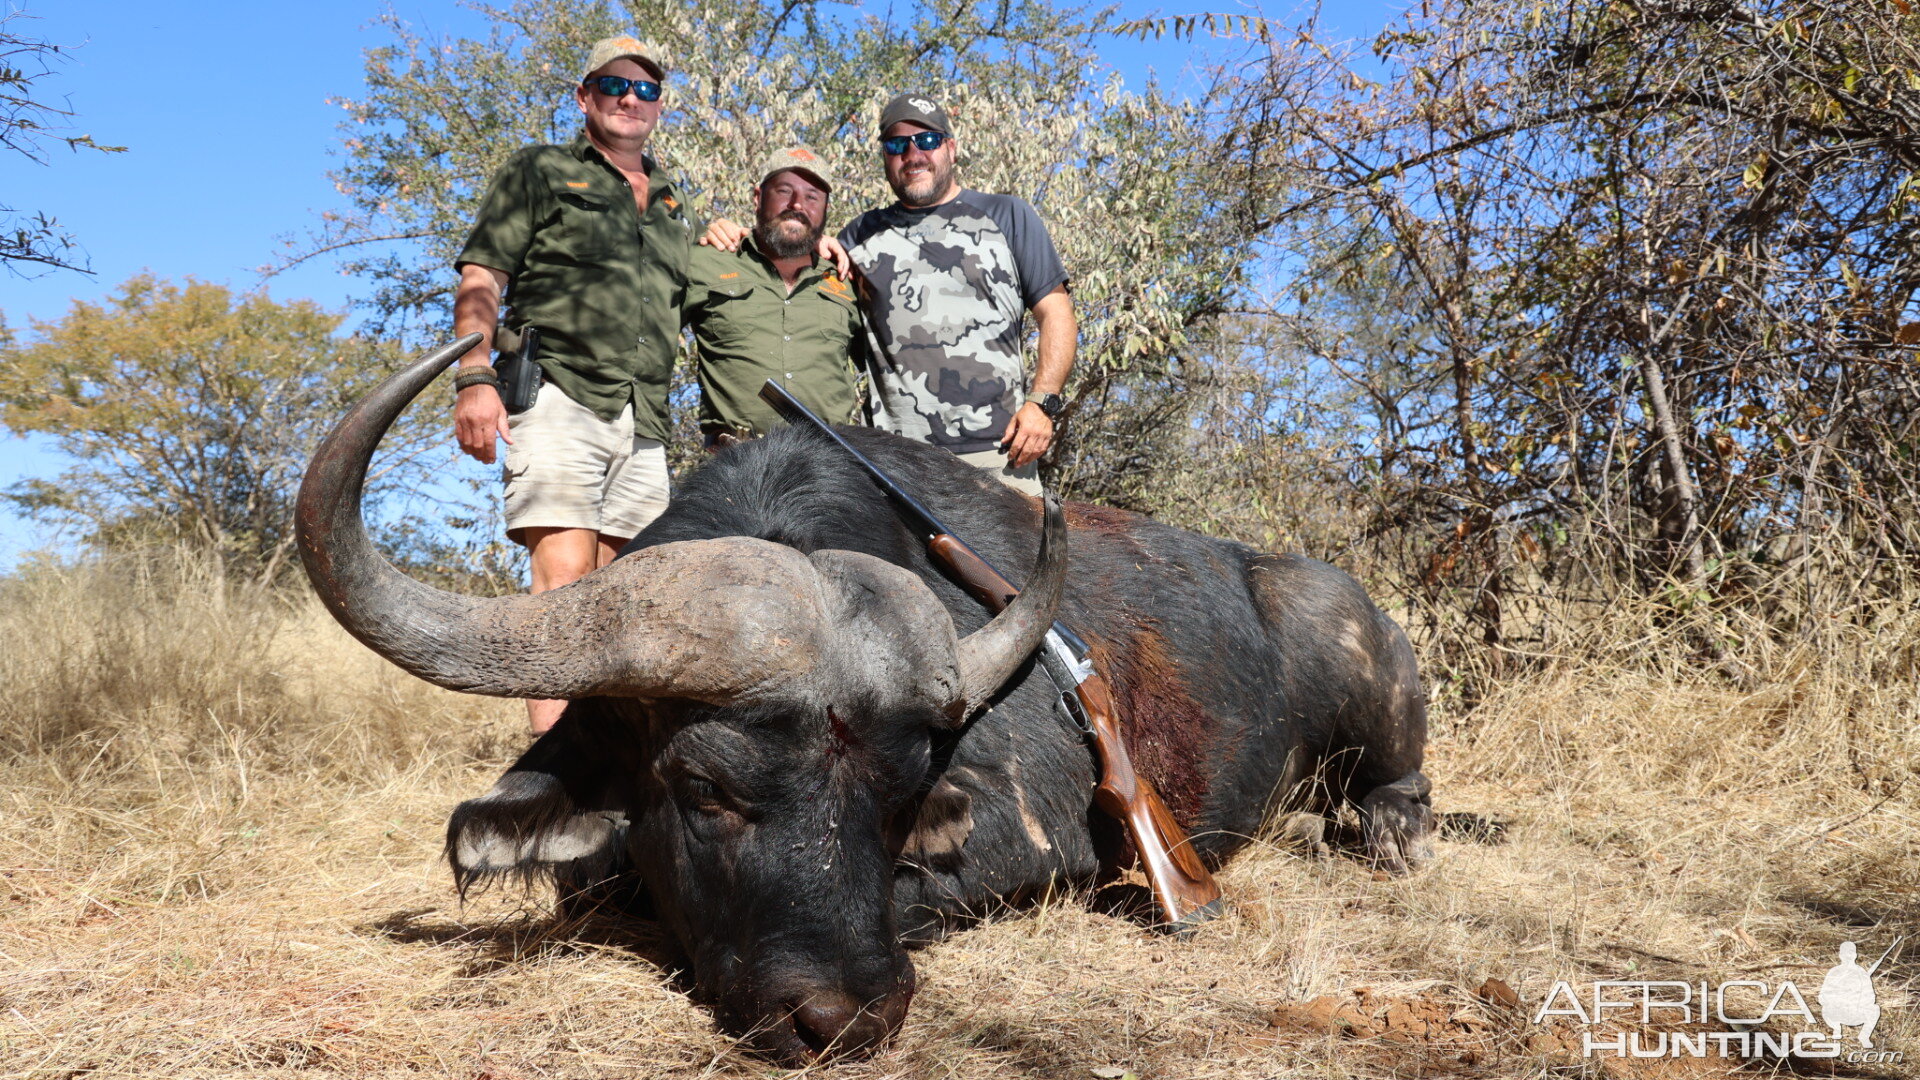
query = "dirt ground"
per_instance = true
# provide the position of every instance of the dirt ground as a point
(220, 824)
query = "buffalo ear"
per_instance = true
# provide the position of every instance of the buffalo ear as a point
(526, 828)
(941, 828)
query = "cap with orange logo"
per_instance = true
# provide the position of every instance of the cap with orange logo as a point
(801, 160)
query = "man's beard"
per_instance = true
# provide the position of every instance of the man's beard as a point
(930, 185)
(781, 243)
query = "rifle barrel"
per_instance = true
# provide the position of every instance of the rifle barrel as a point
(795, 412)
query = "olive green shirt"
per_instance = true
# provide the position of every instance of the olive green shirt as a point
(747, 328)
(602, 282)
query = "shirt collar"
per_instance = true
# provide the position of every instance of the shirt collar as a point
(915, 213)
(583, 149)
(751, 248)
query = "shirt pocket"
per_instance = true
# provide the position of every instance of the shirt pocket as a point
(834, 320)
(729, 319)
(589, 225)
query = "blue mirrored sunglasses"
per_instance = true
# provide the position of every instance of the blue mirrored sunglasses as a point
(614, 86)
(929, 141)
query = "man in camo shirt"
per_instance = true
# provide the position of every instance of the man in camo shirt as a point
(947, 277)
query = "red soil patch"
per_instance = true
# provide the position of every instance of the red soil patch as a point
(1441, 1035)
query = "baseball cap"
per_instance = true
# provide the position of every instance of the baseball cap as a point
(607, 50)
(801, 160)
(915, 109)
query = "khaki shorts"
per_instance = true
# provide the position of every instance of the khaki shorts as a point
(1025, 480)
(569, 469)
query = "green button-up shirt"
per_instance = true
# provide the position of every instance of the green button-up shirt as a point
(747, 328)
(603, 282)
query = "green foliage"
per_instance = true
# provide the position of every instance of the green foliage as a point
(1633, 288)
(27, 126)
(1216, 24)
(1123, 179)
(189, 413)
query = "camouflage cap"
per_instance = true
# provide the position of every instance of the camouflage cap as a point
(607, 50)
(915, 109)
(801, 160)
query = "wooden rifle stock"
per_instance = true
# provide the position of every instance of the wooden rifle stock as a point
(1182, 886)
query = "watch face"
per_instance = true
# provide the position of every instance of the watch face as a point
(1053, 405)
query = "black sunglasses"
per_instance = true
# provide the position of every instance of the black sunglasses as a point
(614, 87)
(929, 141)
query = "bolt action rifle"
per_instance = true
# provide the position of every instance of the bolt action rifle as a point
(1182, 887)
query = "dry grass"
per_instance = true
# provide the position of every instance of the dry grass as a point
(220, 824)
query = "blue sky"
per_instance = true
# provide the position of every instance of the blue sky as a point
(223, 107)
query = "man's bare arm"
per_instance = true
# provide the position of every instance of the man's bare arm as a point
(1059, 339)
(478, 416)
(727, 235)
(1031, 431)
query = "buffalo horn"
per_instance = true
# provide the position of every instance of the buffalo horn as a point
(990, 655)
(720, 621)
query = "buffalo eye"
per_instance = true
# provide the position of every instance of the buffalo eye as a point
(701, 794)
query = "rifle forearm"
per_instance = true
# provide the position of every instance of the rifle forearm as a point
(980, 580)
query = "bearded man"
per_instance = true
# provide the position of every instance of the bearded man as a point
(773, 310)
(947, 275)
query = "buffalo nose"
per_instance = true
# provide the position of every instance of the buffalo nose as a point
(832, 1022)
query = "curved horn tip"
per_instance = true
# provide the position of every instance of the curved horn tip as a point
(989, 656)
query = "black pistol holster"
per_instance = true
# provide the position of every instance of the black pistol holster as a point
(517, 365)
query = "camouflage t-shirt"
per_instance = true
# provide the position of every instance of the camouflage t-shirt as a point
(946, 288)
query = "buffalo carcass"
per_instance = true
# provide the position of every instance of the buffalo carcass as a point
(802, 747)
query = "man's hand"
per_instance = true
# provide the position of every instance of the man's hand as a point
(829, 249)
(479, 418)
(478, 415)
(724, 234)
(1028, 436)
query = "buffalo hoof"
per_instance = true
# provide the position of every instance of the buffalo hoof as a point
(1398, 819)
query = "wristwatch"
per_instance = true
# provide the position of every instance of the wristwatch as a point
(1051, 404)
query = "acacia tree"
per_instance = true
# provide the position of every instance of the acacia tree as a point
(29, 126)
(1122, 178)
(189, 413)
(1656, 265)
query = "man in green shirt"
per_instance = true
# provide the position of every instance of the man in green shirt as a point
(773, 310)
(589, 243)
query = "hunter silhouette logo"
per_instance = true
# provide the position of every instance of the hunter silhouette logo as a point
(1707, 1020)
(1846, 994)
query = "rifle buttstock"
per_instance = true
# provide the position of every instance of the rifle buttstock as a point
(1183, 888)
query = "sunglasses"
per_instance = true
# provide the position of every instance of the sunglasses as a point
(929, 141)
(614, 87)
